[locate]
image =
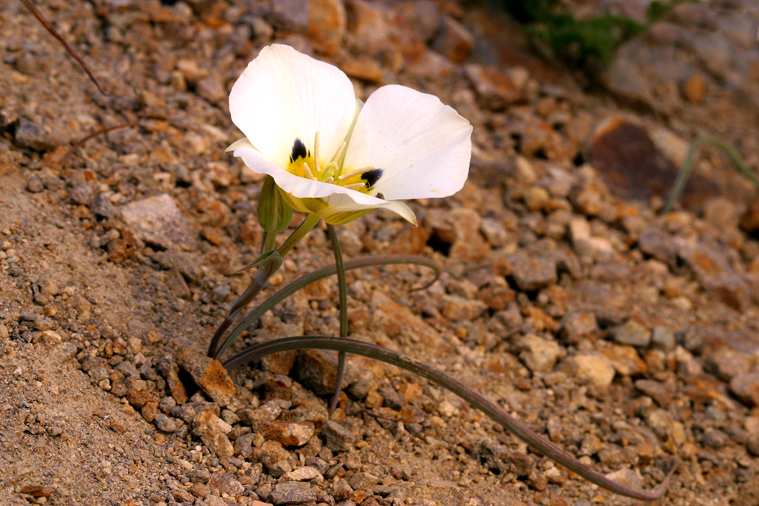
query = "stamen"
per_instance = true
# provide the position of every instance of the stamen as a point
(307, 170)
(354, 186)
(316, 152)
(355, 172)
(329, 180)
(339, 152)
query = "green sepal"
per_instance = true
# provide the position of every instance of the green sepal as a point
(274, 214)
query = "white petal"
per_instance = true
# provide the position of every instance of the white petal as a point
(244, 142)
(402, 209)
(301, 187)
(284, 95)
(422, 146)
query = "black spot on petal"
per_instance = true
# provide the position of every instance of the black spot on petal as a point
(299, 150)
(372, 176)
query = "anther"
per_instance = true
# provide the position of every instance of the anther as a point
(316, 151)
(307, 170)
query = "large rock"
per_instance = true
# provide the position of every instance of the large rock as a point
(634, 168)
(157, 220)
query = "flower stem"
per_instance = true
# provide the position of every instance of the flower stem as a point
(459, 388)
(268, 241)
(266, 271)
(312, 277)
(342, 289)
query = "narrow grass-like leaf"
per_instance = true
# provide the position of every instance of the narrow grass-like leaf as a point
(459, 388)
(685, 171)
(262, 258)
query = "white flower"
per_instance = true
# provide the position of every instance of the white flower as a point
(331, 156)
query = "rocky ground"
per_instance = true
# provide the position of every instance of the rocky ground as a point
(622, 335)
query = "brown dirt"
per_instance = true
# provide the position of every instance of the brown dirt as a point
(71, 295)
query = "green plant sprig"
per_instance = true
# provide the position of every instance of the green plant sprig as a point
(687, 168)
(457, 387)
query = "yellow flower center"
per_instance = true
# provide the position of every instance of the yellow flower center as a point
(308, 165)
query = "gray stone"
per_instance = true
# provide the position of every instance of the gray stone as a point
(98, 374)
(34, 184)
(726, 362)
(157, 220)
(82, 194)
(102, 207)
(285, 493)
(532, 273)
(576, 326)
(211, 88)
(167, 424)
(659, 244)
(290, 15)
(632, 333)
(341, 436)
(199, 475)
(714, 438)
(659, 392)
(244, 445)
(33, 136)
(663, 338)
(175, 259)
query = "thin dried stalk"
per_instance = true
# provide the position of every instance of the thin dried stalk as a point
(29, 5)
